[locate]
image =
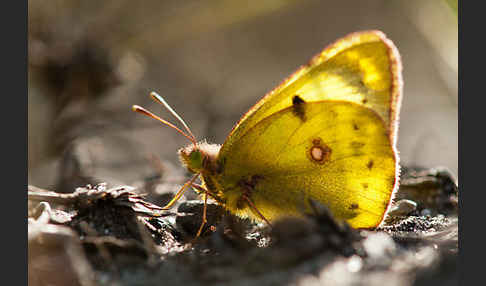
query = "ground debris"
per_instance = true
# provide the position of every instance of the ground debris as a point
(87, 196)
(126, 240)
(434, 190)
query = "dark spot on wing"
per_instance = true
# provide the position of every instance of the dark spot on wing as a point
(353, 206)
(298, 107)
(370, 164)
(355, 126)
(365, 185)
(355, 144)
(332, 113)
(296, 100)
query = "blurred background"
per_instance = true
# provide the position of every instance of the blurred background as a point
(90, 61)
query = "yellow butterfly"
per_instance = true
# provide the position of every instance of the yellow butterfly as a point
(327, 133)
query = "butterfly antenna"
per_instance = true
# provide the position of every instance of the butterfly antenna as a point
(161, 100)
(144, 111)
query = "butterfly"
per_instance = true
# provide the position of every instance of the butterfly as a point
(327, 133)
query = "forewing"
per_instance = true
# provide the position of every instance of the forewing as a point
(362, 67)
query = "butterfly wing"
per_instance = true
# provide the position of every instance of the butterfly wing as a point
(334, 152)
(362, 67)
(270, 147)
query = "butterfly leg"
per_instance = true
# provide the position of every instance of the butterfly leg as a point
(204, 220)
(202, 189)
(206, 193)
(180, 192)
(246, 196)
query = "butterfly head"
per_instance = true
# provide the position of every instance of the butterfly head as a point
(200, 157)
